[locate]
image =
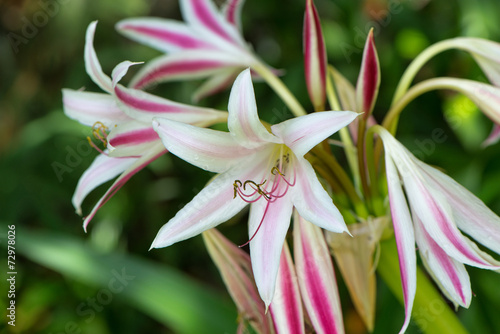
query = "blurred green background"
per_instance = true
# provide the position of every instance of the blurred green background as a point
(67, 280)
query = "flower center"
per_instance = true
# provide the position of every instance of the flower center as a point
(100, 132)
(275, 186)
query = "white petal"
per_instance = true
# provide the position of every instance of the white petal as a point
(212, 150)
(102, 169)
(303, 133)
(217, 83)
(243, 121)
(266, 246)
(312, 201)
(120, 70)
(92, 64)
(131, 139)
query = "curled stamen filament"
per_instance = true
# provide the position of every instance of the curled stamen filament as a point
(99, 132)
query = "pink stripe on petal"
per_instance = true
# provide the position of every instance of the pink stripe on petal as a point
(134, 137)
(369, 78)
(206, 16)
(145, 105)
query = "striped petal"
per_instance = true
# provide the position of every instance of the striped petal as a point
(163, 35)
(212, 150)
(152, 154)
(265, 247)
(369, 78)
(195, 64)
(286, 308)
(217, 83)
(203, 16)
(405, 238)
(302, 133)
(102, 170)
(314, 57)
(243, 122)
(316, 277)
(92, 65)
(144, 107)
(89, 108)
(213, 205)
(131, 139)
(448, 273)
(232, 12)
(312, 201)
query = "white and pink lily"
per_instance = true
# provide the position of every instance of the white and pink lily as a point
(208, 44)
(265, 169)
(121, 118)
(439, 209)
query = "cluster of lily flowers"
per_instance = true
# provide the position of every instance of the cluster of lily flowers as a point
(275, 168)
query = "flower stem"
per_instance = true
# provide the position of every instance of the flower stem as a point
(430, 311)
(279, 87)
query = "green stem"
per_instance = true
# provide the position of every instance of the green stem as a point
(430, 311)
(279, 87)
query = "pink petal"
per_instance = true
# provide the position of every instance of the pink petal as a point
(266, 245)
(302, 133)
(448, 273)
(212, 150)
(314, 57)
(92, 65)
(139, 164)
(369, 78)
(232, 12)
(405, 238)
(312, 201)
(131, 139)
(100, 171)
(144, 107)
(89, 108)
(161, 34)
(316, 277)
(286, 308)
(243, 122)
(494, 136)
(213, 205)
(184, 65)
(203, 16)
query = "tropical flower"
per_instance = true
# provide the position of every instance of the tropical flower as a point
(209, 44)
(121, 119)
(439, 209)
(266, 169)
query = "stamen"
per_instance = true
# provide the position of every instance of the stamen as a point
(258, 227)
(95, 146)
(99, 131)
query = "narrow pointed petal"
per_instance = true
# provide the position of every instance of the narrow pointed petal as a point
(448, 273)
(195, 64)
(163, 35)
(102, 169)
(144, 107)
(236, 270)
(316, 277)
(266, 246)
(232, 12)
(243, 122)
(314, 57)
(471, 215)
(354, 256)
(89, 108)
(312, 201)
(152, 154)
(369, 78)
(217, 83)
(203, 16)
(494, 136)
(286, 308)
(92, 65)
(120, 70)
(131, 139)
(213, 205)
(303, 133)
(212, 150)
(405, 238)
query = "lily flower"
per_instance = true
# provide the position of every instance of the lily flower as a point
(264, 169)
(208, 44)
(121, 119)
(440, 209)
